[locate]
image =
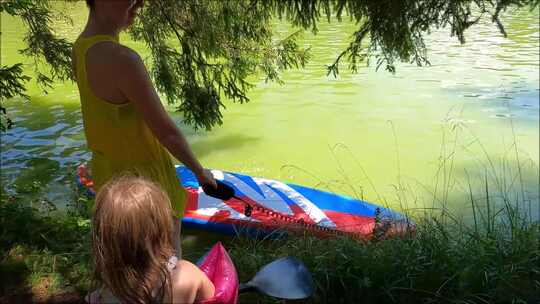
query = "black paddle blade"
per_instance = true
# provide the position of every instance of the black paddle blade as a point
(286, 278)
(223, 191)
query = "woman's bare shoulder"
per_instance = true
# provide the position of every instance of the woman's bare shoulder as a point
(112, 53)
(111, 67)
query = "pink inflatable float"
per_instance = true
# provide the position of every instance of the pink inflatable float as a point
(219, 268)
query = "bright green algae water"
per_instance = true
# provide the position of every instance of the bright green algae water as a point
(370, 134)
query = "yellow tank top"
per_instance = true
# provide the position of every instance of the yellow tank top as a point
(119, 139)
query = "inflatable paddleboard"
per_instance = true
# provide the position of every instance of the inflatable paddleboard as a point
(264, 206)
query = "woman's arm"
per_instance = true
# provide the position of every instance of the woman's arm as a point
(135, 84)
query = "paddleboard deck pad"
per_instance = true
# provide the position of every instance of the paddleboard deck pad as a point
(265, 207)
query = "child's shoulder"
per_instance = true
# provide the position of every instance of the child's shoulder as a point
(185, 268)
(186, 280)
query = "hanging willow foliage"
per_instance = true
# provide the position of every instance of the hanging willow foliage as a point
(205, 50)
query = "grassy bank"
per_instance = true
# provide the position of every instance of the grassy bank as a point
(44, 253)
(45, 258)
(442, 263)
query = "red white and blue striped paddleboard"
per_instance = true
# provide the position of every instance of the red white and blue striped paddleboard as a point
(264, 206)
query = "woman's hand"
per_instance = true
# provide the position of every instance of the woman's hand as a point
(205, 177)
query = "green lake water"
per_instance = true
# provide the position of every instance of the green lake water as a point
(399, 139)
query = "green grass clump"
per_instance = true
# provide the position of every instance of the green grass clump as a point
(43, 253)
(489, 256)
(441, 263)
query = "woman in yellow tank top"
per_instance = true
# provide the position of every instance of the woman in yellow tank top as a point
(127, 128)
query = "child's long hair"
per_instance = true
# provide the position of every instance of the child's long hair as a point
(132, 240)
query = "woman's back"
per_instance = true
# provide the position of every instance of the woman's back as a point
(111, 129)
(116, 133)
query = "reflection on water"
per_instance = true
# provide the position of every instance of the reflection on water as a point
(396, 128)
(45, 145)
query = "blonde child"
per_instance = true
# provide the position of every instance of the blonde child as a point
(133, 251)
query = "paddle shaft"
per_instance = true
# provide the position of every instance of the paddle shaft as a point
(243, 288)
